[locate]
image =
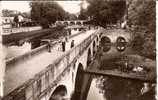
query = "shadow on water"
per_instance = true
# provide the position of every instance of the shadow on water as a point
(108, 88)
(114, 88)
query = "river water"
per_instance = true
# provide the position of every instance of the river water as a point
(17, 50)
(114, 88)
(106, 88)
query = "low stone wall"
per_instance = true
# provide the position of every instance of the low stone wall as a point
(34, 52)
(21, 29)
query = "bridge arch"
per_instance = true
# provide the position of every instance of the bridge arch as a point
(89, 57)
(105, 43)
(65, 23)
(97, 38)
(97, 42)
(78, 23)
(100, 35)
(94, 48)
(75, 29)
(79, 79)
(121, 43)
(72, 23)
(59, 92)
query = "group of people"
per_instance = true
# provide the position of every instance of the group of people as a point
(63, 43)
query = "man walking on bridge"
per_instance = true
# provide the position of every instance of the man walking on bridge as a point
(72, 44)
(63, 44)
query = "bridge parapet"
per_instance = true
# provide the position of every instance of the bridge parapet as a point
(21, 29)
(46, 80)
(34, 52)
(27, 55)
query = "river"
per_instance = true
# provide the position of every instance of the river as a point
(17, 50)
(114, 88)
(106, 88)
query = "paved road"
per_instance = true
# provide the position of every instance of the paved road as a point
(23, 71)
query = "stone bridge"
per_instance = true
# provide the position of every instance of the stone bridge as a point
(57, 70)
(73, 22)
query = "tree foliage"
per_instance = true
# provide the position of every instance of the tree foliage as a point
(104, 12)
(142, 14)
(8, 13)
(83, 15)
(46, 12)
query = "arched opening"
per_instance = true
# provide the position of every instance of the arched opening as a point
(106, 43)
(84, 23)
(97, 42)
(59, 93)
(75, 29)
(79, 80)
(79, 29)
(72, 23)
(97, 39)
(78, 23)
(65, 23)
(94, 48)
(121, 44)
(100, 35)
(89, 57)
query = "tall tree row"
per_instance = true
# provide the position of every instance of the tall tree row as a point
(142, 15)
(103, 12)
(46, 13)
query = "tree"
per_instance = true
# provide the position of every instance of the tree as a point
(104, 12)
(142, 14)
(82, 15)
(9, 13)
(46, 13)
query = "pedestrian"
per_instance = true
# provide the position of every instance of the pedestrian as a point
(49, 46)
(72, 44)
(63, 45)
(66, 39)
(16, 21)
(89, 27)
(69, 31)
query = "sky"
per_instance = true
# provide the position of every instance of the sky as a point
(23, 6)
(70, 6)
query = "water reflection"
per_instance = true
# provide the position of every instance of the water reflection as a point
(110, 88)
(95, 93)
(15, 50)
(114, 88)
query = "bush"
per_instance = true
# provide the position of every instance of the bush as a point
(44, 23)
